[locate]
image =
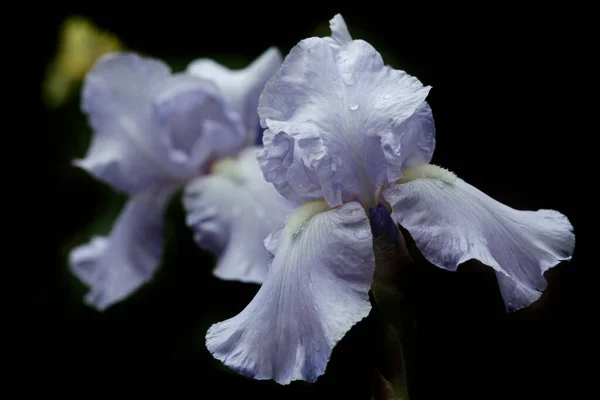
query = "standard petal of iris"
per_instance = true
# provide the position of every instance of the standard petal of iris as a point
(452, 222)
(418, 142)
(198, 124)
(231, 212)
(316, 290)
(351, 122)
(127, 151)
(151, 127)
(241, 87)
(115, 266)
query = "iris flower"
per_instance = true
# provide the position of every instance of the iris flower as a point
(343, 133)
(155, 132)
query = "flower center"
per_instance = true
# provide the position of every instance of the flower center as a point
(302, 214)
(228, 168)
(425, 171)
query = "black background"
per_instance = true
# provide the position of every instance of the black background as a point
(508, 87)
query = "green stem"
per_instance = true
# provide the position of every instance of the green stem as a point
(390, 285)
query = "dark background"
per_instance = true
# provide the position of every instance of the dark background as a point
(507, 93)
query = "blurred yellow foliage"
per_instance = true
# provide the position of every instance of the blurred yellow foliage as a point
(80, 44)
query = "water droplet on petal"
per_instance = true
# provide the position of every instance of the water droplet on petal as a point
(387, 96)
(353, 106)
(362, 233)
(348, 78)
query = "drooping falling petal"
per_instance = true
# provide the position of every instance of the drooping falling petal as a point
(138, 112)
(241, 87)
(452, 222)
(340, 123)
(231, 212)
(116, 265)
(316, 290)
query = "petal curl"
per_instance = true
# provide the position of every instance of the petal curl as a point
(231, 213)
(339, 30)
(342, 121)
(453, 222)
(141, 114)
(115, 266)
(241, 87)
(316, 290)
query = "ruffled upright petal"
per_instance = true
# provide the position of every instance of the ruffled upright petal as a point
(126, 151)
(231, 212)
(241, 87)
(199, 124)
(116, 265)
(341, 123)
(453, 222)
(151, 127)
(316, 290)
